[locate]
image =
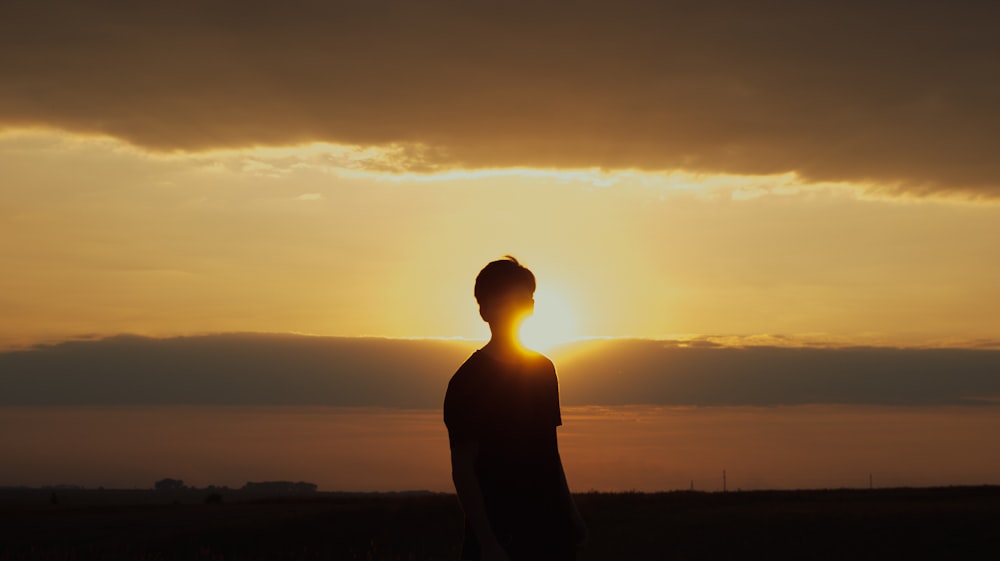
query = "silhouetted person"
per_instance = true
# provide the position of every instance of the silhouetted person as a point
(502, 410)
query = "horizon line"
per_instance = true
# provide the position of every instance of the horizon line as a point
(680, 340)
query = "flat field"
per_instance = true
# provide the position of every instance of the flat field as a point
(935, 523)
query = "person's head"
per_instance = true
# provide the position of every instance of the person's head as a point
(505, 292)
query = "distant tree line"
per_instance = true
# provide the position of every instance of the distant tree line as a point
(280, 488)
(274, 488)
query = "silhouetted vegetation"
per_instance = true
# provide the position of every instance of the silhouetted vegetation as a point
(279, 488)
(939, 523)
(169, 484)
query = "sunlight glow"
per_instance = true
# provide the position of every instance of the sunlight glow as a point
(552, 324)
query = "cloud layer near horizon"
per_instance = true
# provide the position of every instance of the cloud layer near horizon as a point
(898, 94)
(364, 372)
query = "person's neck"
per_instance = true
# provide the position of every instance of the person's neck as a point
(505, 349)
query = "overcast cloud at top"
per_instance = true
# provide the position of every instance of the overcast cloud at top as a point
(898, 96)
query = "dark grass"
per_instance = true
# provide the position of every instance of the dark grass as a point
(939, 523)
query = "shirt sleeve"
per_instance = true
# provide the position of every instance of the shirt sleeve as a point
(552, 395)
(462, 415)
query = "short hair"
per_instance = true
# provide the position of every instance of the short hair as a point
(500, 276)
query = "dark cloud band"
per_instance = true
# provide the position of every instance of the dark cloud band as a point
(902, 94)
(296, 370)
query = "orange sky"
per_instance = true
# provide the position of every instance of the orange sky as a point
(666, 169)
(102, 238)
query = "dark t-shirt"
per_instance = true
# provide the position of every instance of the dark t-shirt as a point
(512, 410)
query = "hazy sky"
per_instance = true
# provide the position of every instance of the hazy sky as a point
(603, 448)
(364, 414)
(820, 172)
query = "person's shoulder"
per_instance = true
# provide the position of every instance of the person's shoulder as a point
(474, 363)
(468, 370)
(538, 361)
(465, 393)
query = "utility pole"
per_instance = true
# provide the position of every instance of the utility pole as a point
(723, 481)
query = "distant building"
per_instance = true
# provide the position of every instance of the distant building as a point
(279, 488)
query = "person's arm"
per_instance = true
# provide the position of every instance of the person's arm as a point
(463, 474)
(579, 526)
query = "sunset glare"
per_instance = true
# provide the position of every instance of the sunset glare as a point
(552, 323)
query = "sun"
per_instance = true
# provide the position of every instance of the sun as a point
(552, 323)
